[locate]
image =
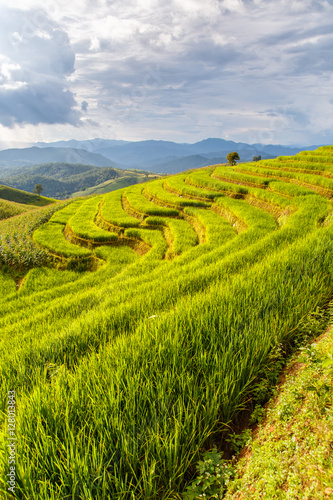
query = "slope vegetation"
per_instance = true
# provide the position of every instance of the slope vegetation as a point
(22, 197)
(60, 180)
(149, 315)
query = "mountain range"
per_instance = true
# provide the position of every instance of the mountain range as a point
(155, 156)
(72, 168)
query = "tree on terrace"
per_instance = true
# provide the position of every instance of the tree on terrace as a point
(232, 157)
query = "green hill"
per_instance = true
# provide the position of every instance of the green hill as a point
(128, 178)
(61, 180)
(22, 197)
(150, 318)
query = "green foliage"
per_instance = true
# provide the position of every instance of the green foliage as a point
(232, 158)
(204, 179)
(217, 229)
(51, 236)
(156, 190)
(60, 179)
(257, 415)
(235, 176)
(178, 184)
(214, 474)
(82, 223)
(62, 216)
(38, 189)
(299, 428)
(112, 210)
(142, 205)
(239, 441)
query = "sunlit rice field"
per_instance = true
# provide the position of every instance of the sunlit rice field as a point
(135, 324)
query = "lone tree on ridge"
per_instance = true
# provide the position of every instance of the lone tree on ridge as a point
(38, 189)
(232, 157)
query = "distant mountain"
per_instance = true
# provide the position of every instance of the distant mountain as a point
(91, 145)
(186, 163)
(145, 154)
(155, 156)
(32, 156)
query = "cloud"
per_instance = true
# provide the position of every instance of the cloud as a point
(36, 60)
(256, 70)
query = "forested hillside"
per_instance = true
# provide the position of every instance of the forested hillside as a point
(61, 180)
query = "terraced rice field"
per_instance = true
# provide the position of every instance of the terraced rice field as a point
(139, 333)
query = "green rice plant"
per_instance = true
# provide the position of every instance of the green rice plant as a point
(116, 256)
(155, 221)
(316, 180)
(177, 184)
(112, 210)
(270, 197)
(203, 179)
(82, 222)
(184, 236)
(311, 157)
(44, 278)
(218, 229)
(153, 238)
(125, 375)
(62, 216)
(142, 205)
(306, 166)
(289, 189)
(233, 175)
(248, 214)
(7, 285)
(200, 361)
(156, 190)
(51, 236)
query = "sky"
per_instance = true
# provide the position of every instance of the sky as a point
(254, 71)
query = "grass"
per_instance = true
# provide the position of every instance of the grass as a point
(227, 173)
(82, 223)
(142, 205)
(218, 230)
(112, 211)
(126, 375)
(156, 191)
(62, 216)
(23, 197)
(51, 236)
(178, 184)
(299, 427)
(182, 236)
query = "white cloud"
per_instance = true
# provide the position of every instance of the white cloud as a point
(184, 68)
(36, 60)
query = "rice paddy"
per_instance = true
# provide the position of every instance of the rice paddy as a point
(124, 374)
